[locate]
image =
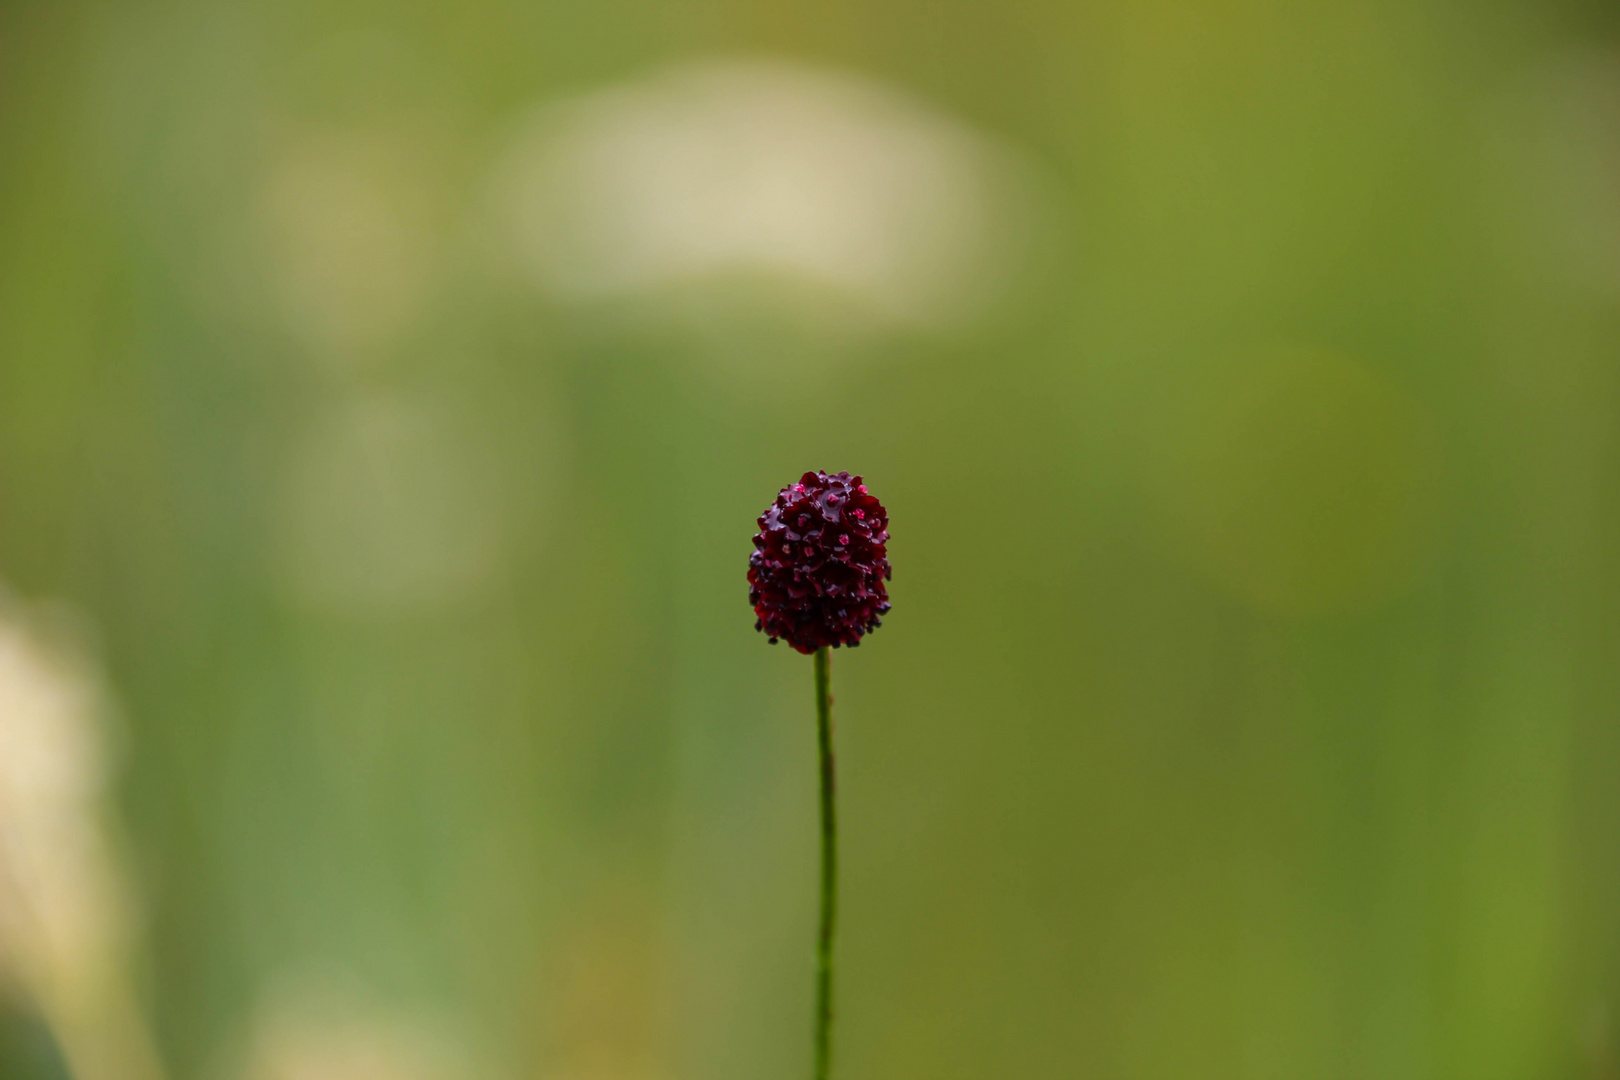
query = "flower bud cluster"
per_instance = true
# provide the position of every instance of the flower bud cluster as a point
(816, 576)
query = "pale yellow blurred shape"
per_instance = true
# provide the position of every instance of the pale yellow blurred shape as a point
(55, 909)
(1299, 480)
(66, 915)
(348, 222)
(321, 1028)
(757, 183)
(389, 503)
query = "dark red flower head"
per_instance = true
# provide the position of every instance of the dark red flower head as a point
(817, 572)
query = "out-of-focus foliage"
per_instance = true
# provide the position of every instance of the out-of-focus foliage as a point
(387, 393)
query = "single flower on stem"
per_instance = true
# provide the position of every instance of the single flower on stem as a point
(816, 580)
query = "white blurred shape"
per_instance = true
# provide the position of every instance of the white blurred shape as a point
(389, 505)
(65, 913)
(819, 179)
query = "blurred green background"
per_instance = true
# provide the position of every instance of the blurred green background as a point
(387, 393)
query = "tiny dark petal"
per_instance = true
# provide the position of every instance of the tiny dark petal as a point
(810, 597)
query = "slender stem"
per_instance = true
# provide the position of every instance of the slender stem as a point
(829, 866)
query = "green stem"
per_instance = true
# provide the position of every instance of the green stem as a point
(829, 865)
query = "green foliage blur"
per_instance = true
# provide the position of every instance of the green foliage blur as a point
(387, 394)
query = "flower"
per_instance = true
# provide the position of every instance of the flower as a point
(816, 575)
